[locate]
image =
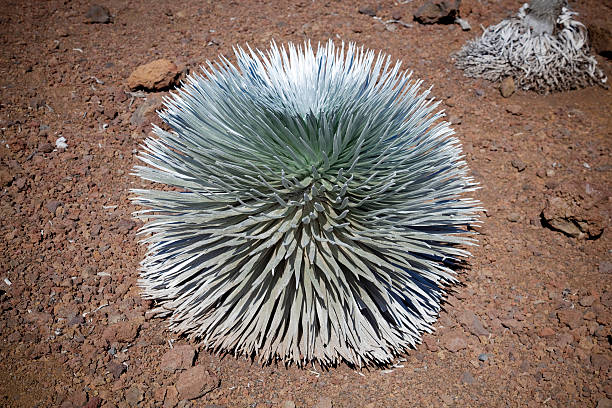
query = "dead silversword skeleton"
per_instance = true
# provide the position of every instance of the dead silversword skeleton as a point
(320, 206)
(543, 48)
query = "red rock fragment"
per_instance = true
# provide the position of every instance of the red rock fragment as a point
(134, 395)
(454, 341)
(570, 318)
(600, 362)
(154, 76)
(126, 225)
(122, 332)
(587, 301)
(5, 178)
(546, 332)
(195, 382)
(45, 148)
(324, 402)
(564, 339)
(159, 394)
(572, 217)
(179, 358)
(171, 398)
(431, 344)
(94, 402)
(472, 323)
(52, 206)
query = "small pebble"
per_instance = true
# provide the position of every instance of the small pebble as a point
(513, 217)
(514, 110)
(97, 14)
(507, 87)
(467, 378)
(45, 148)
(368, 10)
(518, 164)
(60, 143)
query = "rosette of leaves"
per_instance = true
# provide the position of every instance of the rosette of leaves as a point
(316, 209)
(543, 48)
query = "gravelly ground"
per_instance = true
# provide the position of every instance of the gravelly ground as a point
(530, 325)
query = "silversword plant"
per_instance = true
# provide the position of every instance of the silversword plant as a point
(317, 207)
(543, 48)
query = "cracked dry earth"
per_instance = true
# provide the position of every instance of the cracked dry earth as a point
(529, 326)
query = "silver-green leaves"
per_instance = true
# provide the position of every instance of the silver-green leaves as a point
(317, 204)
(520, 47)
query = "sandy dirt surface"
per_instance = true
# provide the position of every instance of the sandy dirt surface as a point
(529, 326)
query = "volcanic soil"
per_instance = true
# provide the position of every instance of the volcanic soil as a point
(528, 326)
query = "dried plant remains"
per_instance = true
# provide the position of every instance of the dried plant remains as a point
(544, 48)
(318, 203)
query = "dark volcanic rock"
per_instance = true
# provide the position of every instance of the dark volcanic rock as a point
(97, 14)
(52, 206)
(438, 12)
(146, 113)
(116, 369)
(600, 37)
(368, 10)
(45, 148)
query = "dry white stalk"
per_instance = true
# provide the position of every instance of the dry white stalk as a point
(539, 55)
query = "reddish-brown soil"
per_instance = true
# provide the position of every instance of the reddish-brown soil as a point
(529, 326)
